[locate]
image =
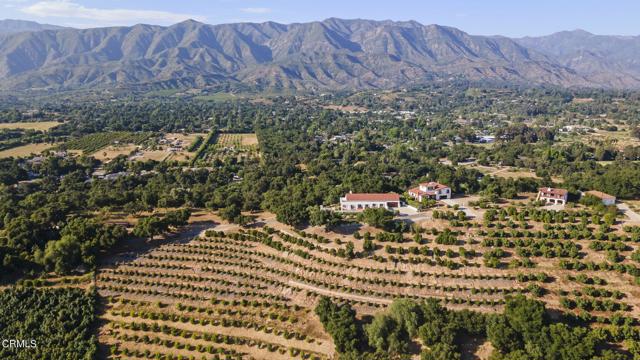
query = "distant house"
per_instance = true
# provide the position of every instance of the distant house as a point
(553, 195)
(359, 202)
(36, 160)
(486, 139)
(605, 198)
(430, 190)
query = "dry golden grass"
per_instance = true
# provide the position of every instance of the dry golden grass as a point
(346, 108)
(234, 139)
(26, 150)
(186, 138)
(112, 151)
(249, 139)
(581, 100)
(42, 126)
(157, 155)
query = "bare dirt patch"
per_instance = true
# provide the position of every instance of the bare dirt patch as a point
(112, 151)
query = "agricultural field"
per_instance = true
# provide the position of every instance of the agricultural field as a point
(139, 146)
(90, 144)
(251, 292)
(26, 150)
(242, 142)
(230, 145)
(192, 299)
(40, 126)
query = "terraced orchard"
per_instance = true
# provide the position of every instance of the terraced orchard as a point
(204, 299)
(250, 293)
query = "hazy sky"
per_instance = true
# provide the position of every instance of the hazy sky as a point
(482, 17)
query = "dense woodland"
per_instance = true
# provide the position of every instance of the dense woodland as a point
(59, 320)
(523, 332)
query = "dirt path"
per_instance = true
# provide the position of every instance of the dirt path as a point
(338, 294)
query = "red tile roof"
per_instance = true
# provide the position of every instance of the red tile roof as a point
(434, 184)
(601, 195)
(553, 191)
(372, 197)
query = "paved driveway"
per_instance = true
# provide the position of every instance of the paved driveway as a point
(463, 203)
(632, 215)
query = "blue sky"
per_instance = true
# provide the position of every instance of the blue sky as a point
(482, 17)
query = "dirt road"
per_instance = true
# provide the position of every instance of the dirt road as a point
(338, 294)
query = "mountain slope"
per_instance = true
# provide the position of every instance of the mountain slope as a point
(9, 26)
(614, 59)
(331, 54)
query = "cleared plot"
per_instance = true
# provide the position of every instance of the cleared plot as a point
(581, 100)
(508, 172)
(130, 150)
(230, 145)
(187, 139)
(187, 145)
(237, 140)
(42, 126)
(112, 151)
(26, 150)
(156, 155)
(346, 108)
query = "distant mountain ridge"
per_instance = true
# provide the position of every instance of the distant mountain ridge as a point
(332, 54)
(8, 26)
(610, 58)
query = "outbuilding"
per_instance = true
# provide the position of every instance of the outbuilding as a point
(605, 198)
(362, 201)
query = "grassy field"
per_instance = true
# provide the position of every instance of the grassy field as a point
(218, 97)
(26, 150)
(42, 126)
(112, 151)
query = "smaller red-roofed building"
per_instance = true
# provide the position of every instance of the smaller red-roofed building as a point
(362, 201)
(605, 198)
(430, 190)
(553, 195)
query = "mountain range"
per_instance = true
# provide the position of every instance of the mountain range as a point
(332, 54)
(9, 26)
